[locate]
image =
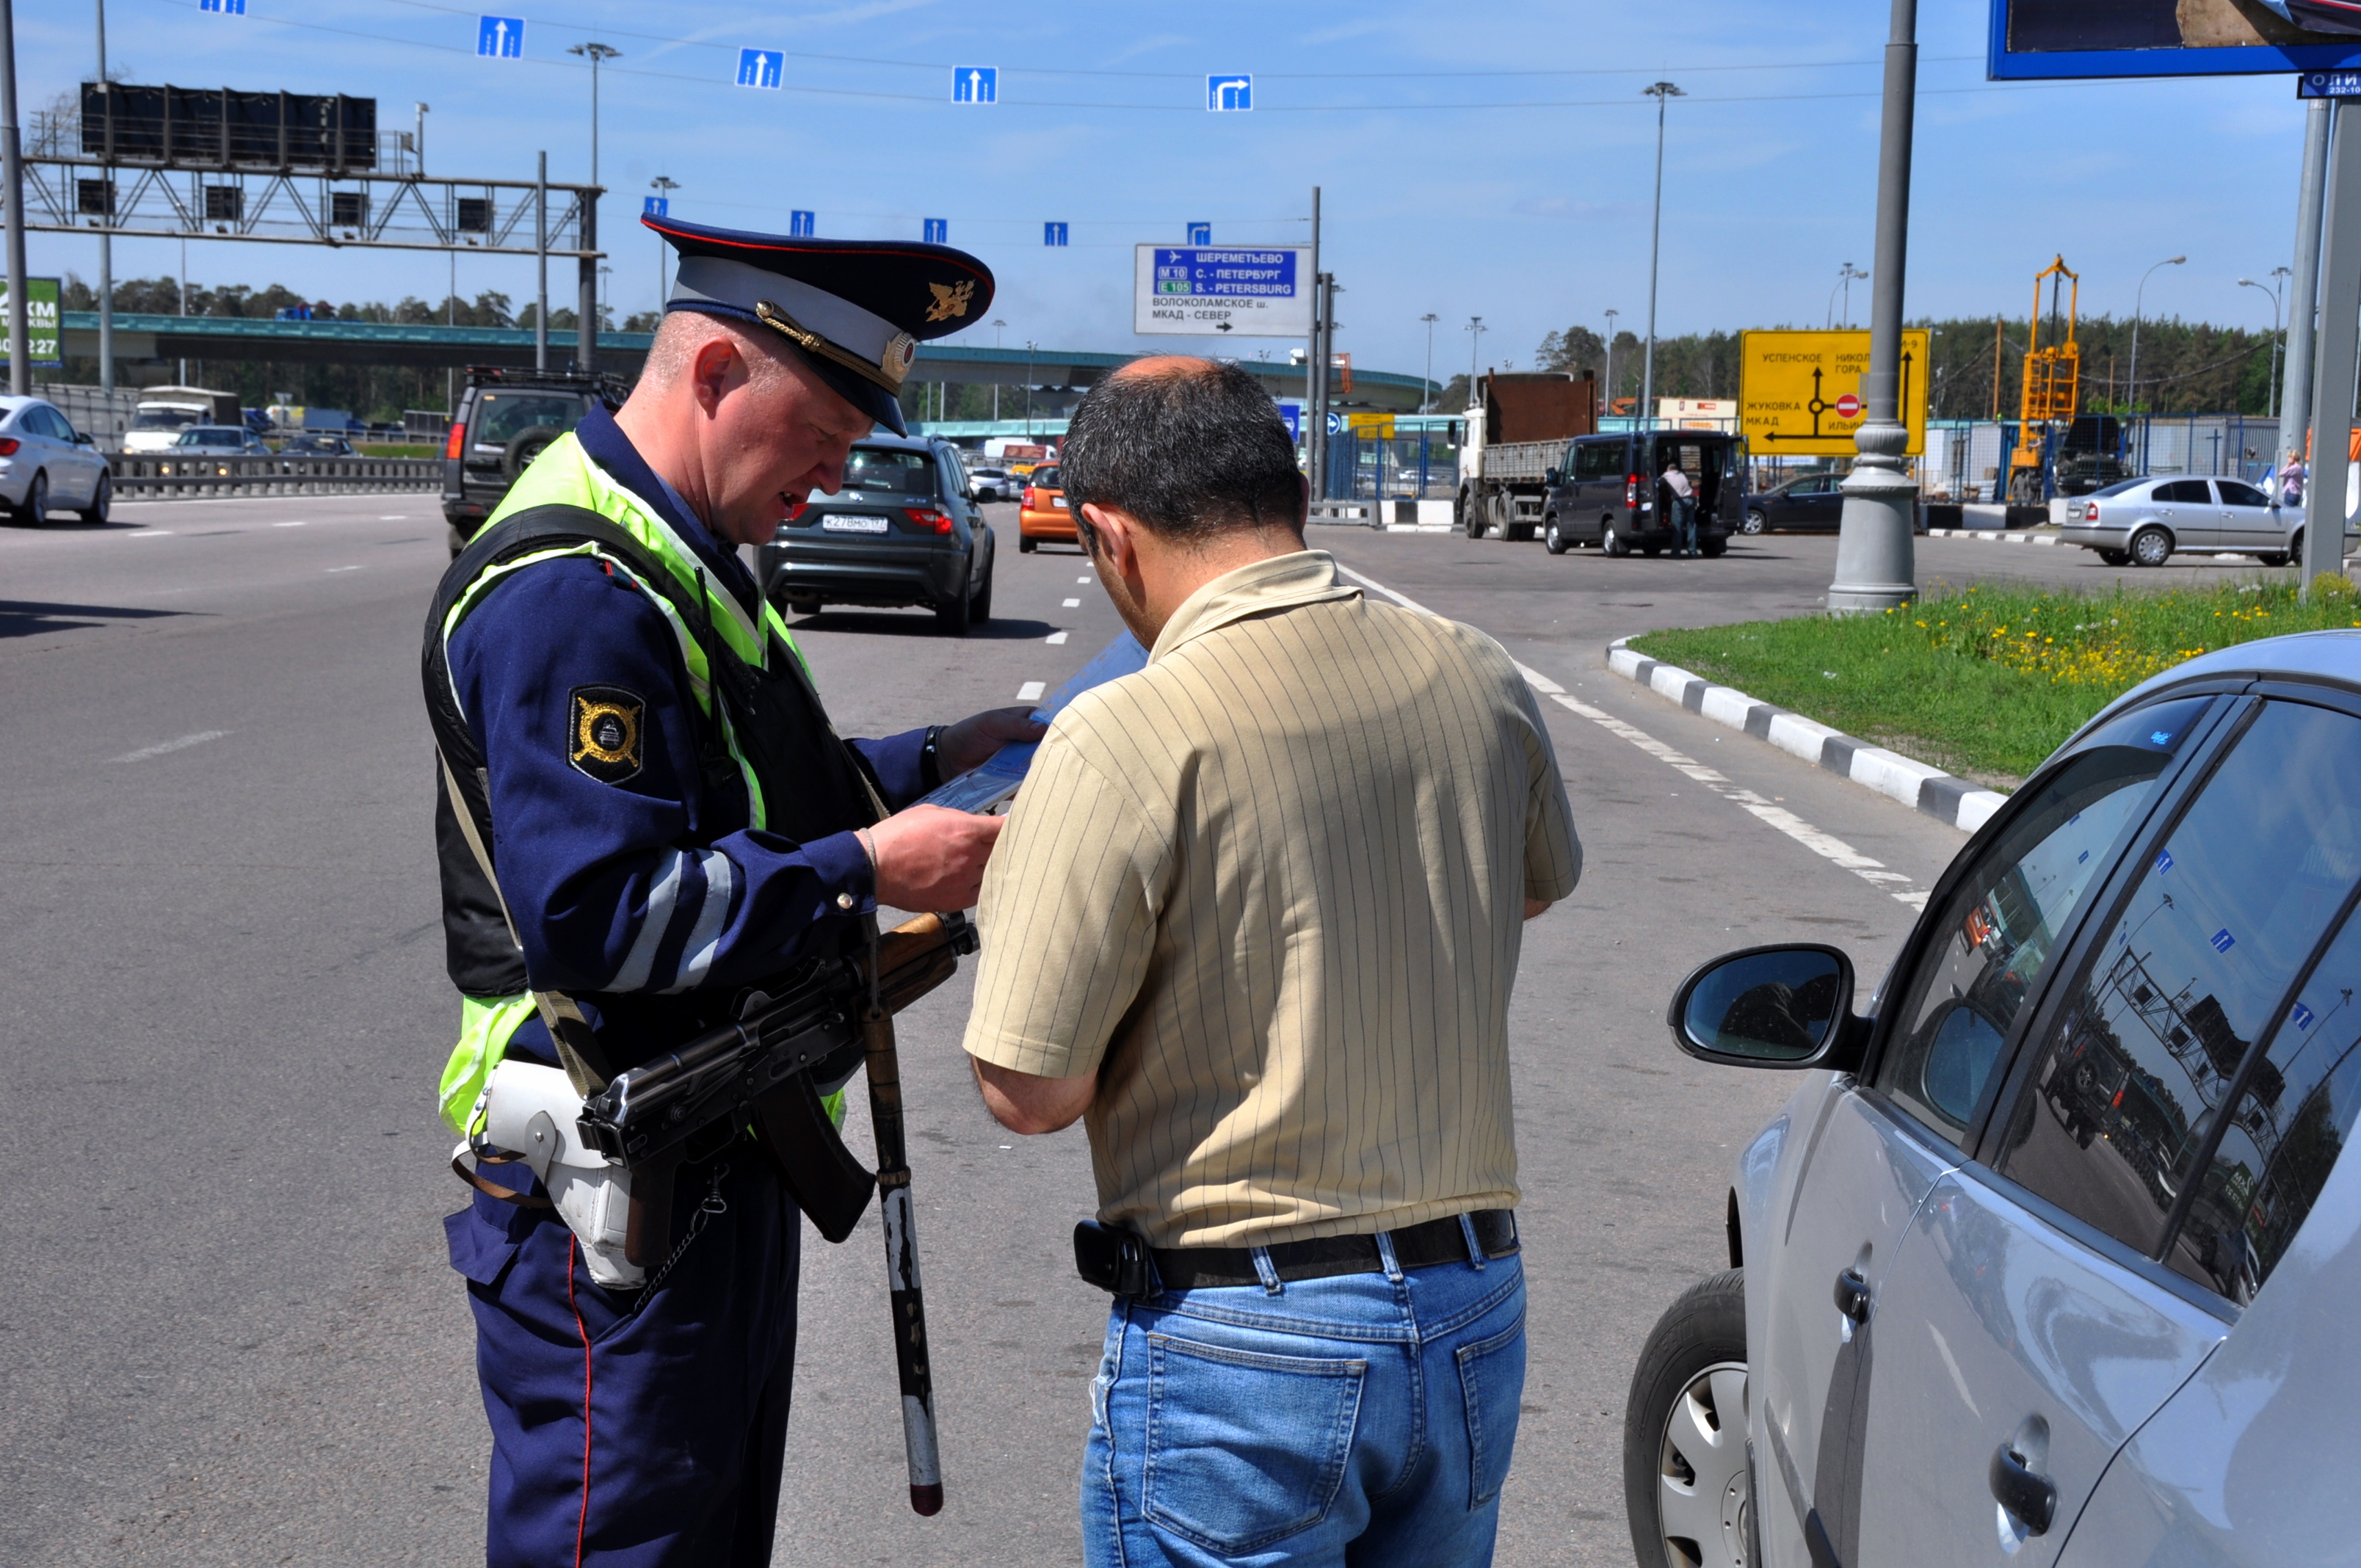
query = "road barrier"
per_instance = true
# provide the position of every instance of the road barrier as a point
(164, 476)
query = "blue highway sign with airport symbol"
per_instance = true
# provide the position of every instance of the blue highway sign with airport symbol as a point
(500, 37)
(1225, 92)
(975, 85)
(761, 67)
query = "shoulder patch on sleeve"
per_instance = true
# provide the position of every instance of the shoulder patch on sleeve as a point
(603, 737)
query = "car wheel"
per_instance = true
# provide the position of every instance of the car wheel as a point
(34, 512)
(2273, 558)
(2151, 547)
(1755, 522)
(2117, 557)
(1554, 539)
(2295, 548)
(1471, 514)
(803, 607)
(1611, 541)
(1499, 507)
(1025, 546)
(102, 499)
(1712, 547)
(1686, 1488)
(955, 618)
(524, 447)
(979, 608)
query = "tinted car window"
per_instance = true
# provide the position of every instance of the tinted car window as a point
(2293, 1119)
(2117, 488)
(2238, 495)
(2184, 492)
(1598, 460)
(2114, 1114)
(50, 423)
(891, 470)
(1996, 932)
(1045, 477)
(501, 417)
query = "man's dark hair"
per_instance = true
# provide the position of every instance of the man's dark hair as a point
(1189, 450)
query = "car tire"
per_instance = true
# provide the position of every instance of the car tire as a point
(1685, 1435)
(2274, 558)
(1499, 509)
(803, 607)
(2151, 547)
(979, 609)
(1754, 522)
(1554, 539)
(1612, 543)
(2295, 548)
(33, 511)
(955, 618)
(524, 447)
(102, 499)
(1709, 548)
(1471, 514)
(2117, 557)
(1027, 546)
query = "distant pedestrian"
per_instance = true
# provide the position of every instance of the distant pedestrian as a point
(1684, 499)
(2291, 479)
(1256, 918)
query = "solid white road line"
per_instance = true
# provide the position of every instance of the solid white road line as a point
(1056, 638)
(1031, 691)
(1826, 845)
(185, 741)
(1072, 604)
(299, 524)
(334, 569)
(149, 533)
(395, 517)
(1082, 580)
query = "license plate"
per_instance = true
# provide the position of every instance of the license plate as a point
(853, 524)
(1059, 502)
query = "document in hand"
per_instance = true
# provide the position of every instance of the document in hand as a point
(984, 787)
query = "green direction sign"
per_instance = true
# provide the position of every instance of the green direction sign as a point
(40, 323)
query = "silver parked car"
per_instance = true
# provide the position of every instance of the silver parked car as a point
(2053, 1256)
(2149, 521)
(994, 484)
(46, 465)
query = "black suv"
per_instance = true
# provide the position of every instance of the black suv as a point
(903, 530)
(1610, 492)
(506, 419)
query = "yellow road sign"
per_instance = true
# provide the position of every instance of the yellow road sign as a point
(1371, 427)
(1799, 392)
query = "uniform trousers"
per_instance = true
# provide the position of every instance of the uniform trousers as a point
(634, 1433)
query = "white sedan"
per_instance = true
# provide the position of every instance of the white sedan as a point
(46, 463)
(2149, 521)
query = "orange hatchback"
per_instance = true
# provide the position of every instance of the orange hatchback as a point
(1043, 513)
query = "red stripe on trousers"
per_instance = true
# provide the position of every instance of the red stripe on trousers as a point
(581, 1523)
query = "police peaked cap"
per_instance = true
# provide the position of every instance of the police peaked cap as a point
(857, 308)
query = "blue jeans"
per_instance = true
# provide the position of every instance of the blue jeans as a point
(1366, 1420)
(1684, 520)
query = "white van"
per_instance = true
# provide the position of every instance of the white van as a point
(165, 412)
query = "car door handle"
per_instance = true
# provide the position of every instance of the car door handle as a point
(2031, 1499)
(1852, 1295)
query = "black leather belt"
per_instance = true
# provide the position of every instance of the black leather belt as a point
(1417, 1246)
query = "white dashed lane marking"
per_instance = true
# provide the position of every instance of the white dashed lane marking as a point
(1082, 580)
(334, 569)
(185, 741)
(1826, 845)
(1056, 638)
(1031, 691)
(1072, 604)
(149, 533)
(296, 524)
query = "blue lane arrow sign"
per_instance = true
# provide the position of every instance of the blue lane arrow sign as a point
(760, 67)
(226, 7)
(1201, 234)
(500, 37)
(1226, 92)
(803, 225)
(975, 85)
(656, 206)
(1053, 234)
(939, 231)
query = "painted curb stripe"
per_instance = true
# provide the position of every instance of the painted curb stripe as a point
(1952, 801)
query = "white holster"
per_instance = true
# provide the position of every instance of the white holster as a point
(530, 1110)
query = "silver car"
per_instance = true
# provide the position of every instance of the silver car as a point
(2052, 1257)
(46, 465)
(2149, 521)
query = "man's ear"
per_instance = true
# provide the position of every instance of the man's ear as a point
(1114, 531)
(716, 369)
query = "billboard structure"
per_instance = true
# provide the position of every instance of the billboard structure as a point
(1799, 392)
(2033, 38)
(1221, 291)
(40, 323)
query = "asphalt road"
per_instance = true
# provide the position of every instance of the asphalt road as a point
(233, 1337)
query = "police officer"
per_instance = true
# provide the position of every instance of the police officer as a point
(643, 809)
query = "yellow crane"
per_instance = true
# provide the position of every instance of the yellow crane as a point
(2053, 383)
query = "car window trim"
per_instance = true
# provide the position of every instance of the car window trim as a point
(2205, 743)
(2129, 1259)
(2101, 912)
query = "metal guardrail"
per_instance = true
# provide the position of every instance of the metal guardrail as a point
(162, 476)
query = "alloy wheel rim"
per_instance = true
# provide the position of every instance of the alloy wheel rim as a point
(1703, 1491)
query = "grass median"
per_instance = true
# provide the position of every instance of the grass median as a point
(1987, 679)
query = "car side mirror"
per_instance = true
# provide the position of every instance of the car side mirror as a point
(83, 438)
(1775, 1007)
(1552, 479)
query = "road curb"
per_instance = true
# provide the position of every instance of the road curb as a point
(1951, 800)
(1994, 534)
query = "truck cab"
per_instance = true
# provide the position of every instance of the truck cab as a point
(1608, 491)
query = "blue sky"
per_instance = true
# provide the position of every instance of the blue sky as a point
(1436, 196)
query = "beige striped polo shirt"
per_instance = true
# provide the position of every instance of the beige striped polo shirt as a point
(1270, 888)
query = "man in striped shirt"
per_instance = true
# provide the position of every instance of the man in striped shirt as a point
(1255, 919)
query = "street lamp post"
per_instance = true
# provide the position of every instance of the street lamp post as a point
(1845, 275)
(1029, 389)
(1874, 568)
(1608, 370)
(586, 341)
(664, 185)
(1426, 389)
(1475, 329)
(2273, 290)
(2138, 298)
(995, 385)
(1659, 91)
